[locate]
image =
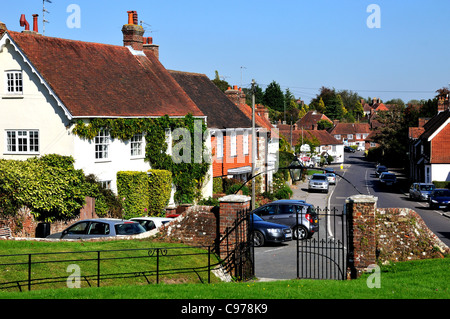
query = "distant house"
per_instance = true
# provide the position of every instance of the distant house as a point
(351, 133)
(51, 84)
(328, 144)
(429, 146)
(310, 119)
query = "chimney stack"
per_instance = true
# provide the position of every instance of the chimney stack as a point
(150, 48)
(133, 33)
(24, 23)
(236, 95)
(443, 103)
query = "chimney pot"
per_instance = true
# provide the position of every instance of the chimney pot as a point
(24, 23)
(133, 33)
(35, 22)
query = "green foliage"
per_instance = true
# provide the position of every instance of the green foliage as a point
(132, 188)
(217, 185)
(274, 97)
(159, 189)
(50, 186)
(285, 192)
(107, 204)
(188, 177)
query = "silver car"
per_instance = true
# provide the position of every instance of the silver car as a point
(318, 182)
(99, 227)
(421, 191)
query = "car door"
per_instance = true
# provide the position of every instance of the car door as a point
(76, 231)
(285, 215)
(98, 229)
(267, 212)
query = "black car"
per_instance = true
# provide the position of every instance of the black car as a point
(349, 149)
(263, 232)
(300, 216)
(380, 169)
(439, 198)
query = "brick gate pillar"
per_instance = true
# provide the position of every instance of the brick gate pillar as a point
(361, 233)
(230, 206)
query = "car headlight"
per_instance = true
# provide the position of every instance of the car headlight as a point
(274, 231)
(434, 201)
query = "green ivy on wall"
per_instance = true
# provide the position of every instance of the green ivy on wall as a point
(187, 177)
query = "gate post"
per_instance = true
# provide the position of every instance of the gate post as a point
(361, 233)
(230, 205)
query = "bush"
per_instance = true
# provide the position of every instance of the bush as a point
(107, 204)
(284, 193)
(159, 190)
(132, 188)
(50, 186)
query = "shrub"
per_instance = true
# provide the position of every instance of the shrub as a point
(284, 193)
(132, 188)
(107, 204)
(159, 190)
(50, 186)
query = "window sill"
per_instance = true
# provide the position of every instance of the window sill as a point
(24, 153)
(106, 160)
(12, 96)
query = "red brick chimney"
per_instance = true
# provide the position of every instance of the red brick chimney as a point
(150, 48)
(133, 33)
(236, 95)
(443, 103)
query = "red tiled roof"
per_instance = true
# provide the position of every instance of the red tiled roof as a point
(323, 136)
(100, 80)
(350, 128)
(310, 119)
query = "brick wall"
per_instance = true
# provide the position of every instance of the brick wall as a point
(381, 235)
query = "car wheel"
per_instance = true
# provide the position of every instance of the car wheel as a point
(258, 239)
(300, 232)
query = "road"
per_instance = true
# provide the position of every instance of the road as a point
(360, 174)
(279, 261)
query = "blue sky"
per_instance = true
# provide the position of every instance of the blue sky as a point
(302, 45)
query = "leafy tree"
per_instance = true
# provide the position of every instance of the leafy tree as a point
(334, 109)
(324, 125)
(274, 97)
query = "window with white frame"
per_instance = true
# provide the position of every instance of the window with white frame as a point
(219, 144)
(245, 142)
(337, 136)
(137, 145)
(14, 82)
(233, 144)
(102, 141)
(22, 141)
(350, 136)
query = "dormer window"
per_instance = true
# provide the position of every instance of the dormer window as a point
(14, 83)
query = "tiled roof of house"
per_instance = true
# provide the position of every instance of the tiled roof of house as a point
(350, 128)
(310, 119)
(323, 136)
(220, 111)
(100, 80)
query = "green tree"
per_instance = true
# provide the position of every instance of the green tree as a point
(221, 84)
(274, 97)
(334, 109)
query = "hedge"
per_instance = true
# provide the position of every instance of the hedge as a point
(144, 193)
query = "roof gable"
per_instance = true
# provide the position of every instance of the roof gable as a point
(99, 80)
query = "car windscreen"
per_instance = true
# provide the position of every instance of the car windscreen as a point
(388, 176)
(443, 192)
(427, 187)
(319, 177)
(129, 229)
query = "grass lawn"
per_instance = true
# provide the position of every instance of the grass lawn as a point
(422, 279)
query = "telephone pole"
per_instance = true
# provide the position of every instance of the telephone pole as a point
(253, 146)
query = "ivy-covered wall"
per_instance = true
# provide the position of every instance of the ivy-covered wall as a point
(188, 176)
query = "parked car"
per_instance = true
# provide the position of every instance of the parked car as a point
(439, 198)
(349, 149)
(331, 178)
(288, 212)
(388, 179)
(380, 169)
(150, 223)
(421, 191)
(100, 227)
(318, 182)
(263, 232)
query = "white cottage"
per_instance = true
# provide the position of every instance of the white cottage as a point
(49, 84)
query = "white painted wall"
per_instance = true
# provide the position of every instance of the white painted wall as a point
(440, 173)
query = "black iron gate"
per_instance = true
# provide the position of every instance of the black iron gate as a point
(324, 255)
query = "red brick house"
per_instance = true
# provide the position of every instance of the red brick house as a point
(430, 146)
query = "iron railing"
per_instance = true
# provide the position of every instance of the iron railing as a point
(27, 270)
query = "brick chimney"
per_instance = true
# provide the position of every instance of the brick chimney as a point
(236, 95)
(150, 48)
(133, 33)
(443, 103)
